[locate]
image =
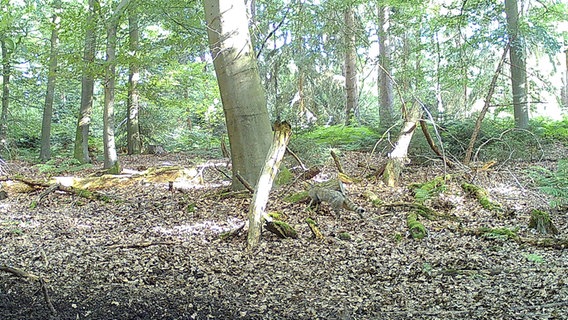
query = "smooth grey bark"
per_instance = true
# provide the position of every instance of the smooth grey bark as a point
(110, 156)
(45, 151)
(81, 150)
(350, 67)
(517, 55)
(134, 141)
(242, 94)
(386, 108)
(6, 72)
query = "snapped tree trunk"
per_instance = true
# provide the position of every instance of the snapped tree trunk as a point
(45, 151)
(350, 67)
(242, 94)
(398, 157)
(81, 150)
(134, 142)
(257, 209)
(517, 54)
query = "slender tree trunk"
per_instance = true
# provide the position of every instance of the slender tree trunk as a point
(45, 152)
(386, 107)
(517, 55)
(350, 66)
(6, 71)
(488, 97)
(111, 158)
(565, 88)
(81, 151)
(134, 140)
(242, 94)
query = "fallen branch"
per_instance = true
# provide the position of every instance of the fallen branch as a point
(314, 228)
(47, 298)
(245, 183)
(144, 244)
(18, 272)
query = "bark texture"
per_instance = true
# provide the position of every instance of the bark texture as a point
(242, 94)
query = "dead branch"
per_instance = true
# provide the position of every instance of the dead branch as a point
(432, 145)
(290, 152)
(483, 111)
(140, 245)
(337, 162)
(47, 298)
(18, 272)
(244, 182)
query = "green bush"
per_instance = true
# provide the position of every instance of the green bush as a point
(553, 183)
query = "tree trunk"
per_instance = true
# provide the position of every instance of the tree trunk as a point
(257, 209)
(134, 141)
(386, 107)
(565, 88)
(242, 94)
(111, 158)
(45, 152)
(81, 151)
(517, 55)
(398, 157)
(6, 71)
(350, 66)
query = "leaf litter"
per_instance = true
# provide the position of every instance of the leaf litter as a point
(156, 254)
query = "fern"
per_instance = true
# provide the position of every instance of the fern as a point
(553, 183)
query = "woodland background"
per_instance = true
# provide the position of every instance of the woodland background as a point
(91, 89)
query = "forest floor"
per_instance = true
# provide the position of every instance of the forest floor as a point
(151, 253)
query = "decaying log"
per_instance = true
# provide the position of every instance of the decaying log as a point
(281, 229)
(91, 195)
(257, 211)
(481, 195)
(415, 227)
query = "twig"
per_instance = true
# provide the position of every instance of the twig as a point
(46, 297)
(142, 244)
(19, 272)
(244, 182)
(337, 162)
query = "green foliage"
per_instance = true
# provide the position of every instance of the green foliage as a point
(553, 183)
(424, 191)
(532, 257)
(344, 137)
(500, 233)
(62, 164)
(555, 130)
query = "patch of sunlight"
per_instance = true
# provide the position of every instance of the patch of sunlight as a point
(65, 181)
(201, 228)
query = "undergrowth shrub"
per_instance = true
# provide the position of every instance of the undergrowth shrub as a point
(314, 145)
(553, 183)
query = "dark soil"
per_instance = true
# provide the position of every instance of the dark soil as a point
(155, 254)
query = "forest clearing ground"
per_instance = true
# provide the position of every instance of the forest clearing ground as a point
(156, 255)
